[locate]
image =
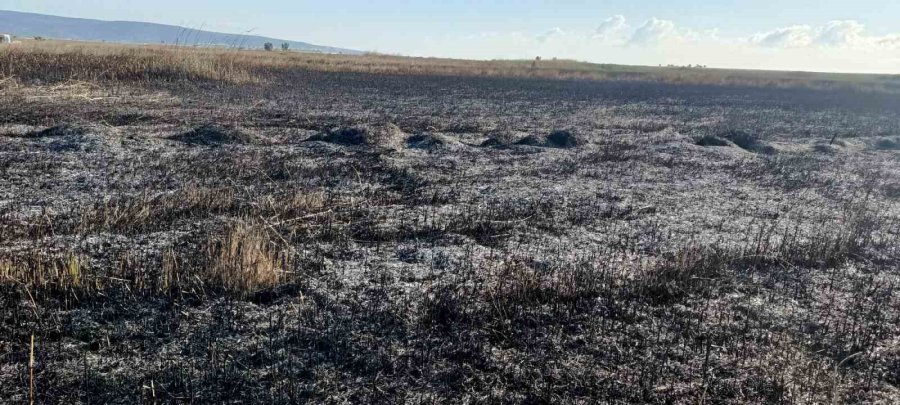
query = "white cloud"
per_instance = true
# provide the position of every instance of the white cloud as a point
(611, 28)
(661, 32)
(789, 37)
(841, 33)
(834, 34)
(889, 41)
(655, 31)
(555, 32)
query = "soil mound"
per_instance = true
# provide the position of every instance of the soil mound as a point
(500, 138)
(429, 141)
(562, 139)
(388, 136)
(60, 131)
(711, 140)
(829, 147)
(531, 140)
(887, 144)
(214, 135)
(747, 141)
(17, 130)
(68, 138)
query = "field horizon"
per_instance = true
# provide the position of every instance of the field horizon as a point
(369, 62)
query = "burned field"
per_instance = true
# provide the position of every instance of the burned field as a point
(331, 236)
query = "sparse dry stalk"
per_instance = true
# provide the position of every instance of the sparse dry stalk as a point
(31, 372)
(170, 272)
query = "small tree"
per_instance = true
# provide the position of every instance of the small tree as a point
(268, 46)
(285, 46)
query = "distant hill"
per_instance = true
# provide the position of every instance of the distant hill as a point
(53, 27)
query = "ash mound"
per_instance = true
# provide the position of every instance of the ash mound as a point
(747, 141)
(383, 136)
(500, 138)
(742, 139)
(711, 140)
(68, 138)
(214, 135)
(61, 131)
(428, 141)
(561, 139)
(887, 144)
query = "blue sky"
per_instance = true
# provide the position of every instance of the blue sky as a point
(827, 35)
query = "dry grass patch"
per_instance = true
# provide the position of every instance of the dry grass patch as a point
(145, 211)
(93, 63)
(40, 269)
(246, 259)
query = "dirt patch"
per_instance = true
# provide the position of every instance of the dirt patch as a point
(214, 135)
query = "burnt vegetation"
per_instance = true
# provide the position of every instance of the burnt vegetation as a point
(289, 232)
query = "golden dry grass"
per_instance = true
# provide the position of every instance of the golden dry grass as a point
(57, 61)
(246, 259)
(41, 270)
(139, 212)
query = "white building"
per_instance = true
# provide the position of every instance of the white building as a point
(6, 39)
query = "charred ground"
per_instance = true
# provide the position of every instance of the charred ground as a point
(338, 236)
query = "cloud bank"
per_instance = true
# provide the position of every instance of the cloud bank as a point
(834, 34)
(843, 45)
(796, 36)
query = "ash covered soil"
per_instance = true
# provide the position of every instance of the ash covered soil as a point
(338, 237)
